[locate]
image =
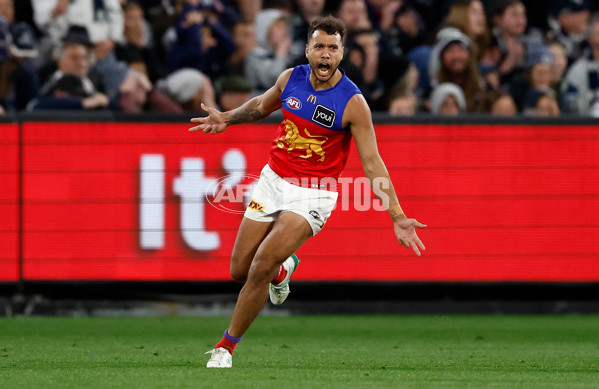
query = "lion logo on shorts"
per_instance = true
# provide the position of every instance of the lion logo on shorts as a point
(293, 139)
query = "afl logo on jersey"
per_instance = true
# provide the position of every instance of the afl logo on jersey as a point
(293, 103)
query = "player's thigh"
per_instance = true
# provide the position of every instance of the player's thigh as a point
(288, 233)
(250, 235)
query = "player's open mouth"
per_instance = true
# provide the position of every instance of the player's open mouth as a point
(323, 68)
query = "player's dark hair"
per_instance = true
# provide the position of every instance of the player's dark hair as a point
(329, 24)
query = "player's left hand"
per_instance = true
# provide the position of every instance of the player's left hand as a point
(405, 232)
(213, 123)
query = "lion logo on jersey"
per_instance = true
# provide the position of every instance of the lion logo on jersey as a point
(293, 139)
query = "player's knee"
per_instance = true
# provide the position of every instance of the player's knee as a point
(238, 274)
(263, 267)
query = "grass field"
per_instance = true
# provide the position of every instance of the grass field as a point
(303, 352)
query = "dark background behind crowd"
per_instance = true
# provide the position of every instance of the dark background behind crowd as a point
(498, 57)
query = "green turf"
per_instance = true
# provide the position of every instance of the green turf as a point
(303, 352)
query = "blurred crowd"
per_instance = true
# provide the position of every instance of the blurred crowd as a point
(444, 57)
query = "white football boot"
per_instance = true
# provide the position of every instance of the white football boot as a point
(278, 293)
(220, 358)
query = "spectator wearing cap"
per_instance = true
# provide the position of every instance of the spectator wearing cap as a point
(580, 87)
(126, 88)
(136, 93)
(109, 77)
(19, 80)
(73, 56)
(234, 92)
(539, 73)
(447, 99)
(568, 21)
(541, 103)
(106, 73)
(452, 61)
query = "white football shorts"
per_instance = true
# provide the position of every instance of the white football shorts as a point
(273, 195)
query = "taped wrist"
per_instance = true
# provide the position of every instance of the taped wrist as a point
(396, 213)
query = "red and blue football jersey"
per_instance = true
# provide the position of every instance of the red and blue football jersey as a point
(311, 142)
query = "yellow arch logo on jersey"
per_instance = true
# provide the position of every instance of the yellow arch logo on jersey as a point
(293, 140)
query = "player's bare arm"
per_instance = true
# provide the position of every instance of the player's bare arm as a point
(358, 116)
(254, 109)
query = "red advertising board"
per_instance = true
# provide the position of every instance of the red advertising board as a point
(123, 201)
(9, 202)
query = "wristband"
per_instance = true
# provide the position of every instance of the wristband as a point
(396, 213)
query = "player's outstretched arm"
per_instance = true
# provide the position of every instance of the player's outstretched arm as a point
(360, 122)
(254, 109)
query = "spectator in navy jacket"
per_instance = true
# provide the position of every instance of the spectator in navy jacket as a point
(201, 42)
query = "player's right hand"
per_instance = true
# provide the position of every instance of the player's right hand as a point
(213, 123)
